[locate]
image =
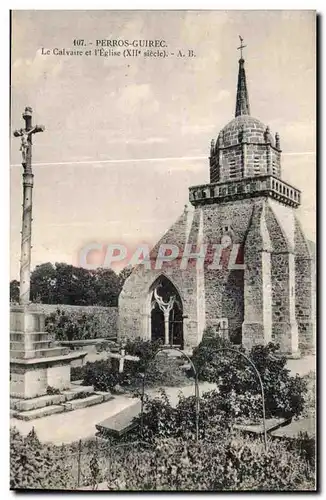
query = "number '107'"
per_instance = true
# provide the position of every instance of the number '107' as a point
(79, 42)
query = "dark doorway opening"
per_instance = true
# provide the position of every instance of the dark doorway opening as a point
(166, 290)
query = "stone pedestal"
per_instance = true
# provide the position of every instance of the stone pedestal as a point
(36, 362)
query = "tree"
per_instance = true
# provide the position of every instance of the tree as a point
(43, 284)
(107, 287)
(124, 274)
(66, 284)
(74, 285)
(14, 291)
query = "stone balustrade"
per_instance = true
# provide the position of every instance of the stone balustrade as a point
(266, 185)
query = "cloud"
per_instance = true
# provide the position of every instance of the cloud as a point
(298, 135)
(135, 140)
(33, 69)
(131, 97)
(197, 129)
(222, 95)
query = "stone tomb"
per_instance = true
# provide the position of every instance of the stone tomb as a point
(121, 423)
(36, 362)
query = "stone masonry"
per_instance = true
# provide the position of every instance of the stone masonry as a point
(262, 287)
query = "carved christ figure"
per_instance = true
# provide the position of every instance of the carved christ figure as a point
(166, 308)
(25, 135)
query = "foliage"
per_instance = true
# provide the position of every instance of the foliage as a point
(66, 284)
(73, 325)
(305, 446)
(310, 396)
(231, 463)
(163, 370)
(103, 375)
(95, 471)
(144, 349)
(227, 462)
(14, 291)
(284, 394)
(34, 465)
(52, 390)
(218, 412)
(124, 274)
(81, 395)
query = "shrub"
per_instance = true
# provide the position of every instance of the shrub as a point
(103, 375)
(218, 412)
(284, 394)
(163, 370)
(231, 463)
(306, 446)
(52, 390)
(33, 465)
(72, 325)
(144, 349)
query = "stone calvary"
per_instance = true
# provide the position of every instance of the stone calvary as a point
(36, 364)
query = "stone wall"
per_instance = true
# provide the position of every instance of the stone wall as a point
(270, 300)
(305, 291)
(224, 287)
(134, 300)
(107, 316)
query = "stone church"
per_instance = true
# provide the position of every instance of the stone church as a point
(261, 286)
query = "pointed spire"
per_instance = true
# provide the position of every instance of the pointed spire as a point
(242, 104)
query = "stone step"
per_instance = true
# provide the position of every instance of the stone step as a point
(76, 404)
(43, 406)
(71, 393)
(30, 345)
(38, 412)
(39, 353)
(35, 403)
(33, 336)
(107, 396)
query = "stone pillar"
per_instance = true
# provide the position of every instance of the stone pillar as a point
(244, 159)
(257, 324)
(166, 327)
(304, 292)
(285, 328)
(269, 160)
(26, 239)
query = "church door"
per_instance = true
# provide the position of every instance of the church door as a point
(166, 312)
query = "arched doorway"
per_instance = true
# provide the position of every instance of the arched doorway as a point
(167, 292)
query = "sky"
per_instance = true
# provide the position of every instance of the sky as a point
(126, 137)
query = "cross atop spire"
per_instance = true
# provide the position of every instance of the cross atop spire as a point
(241, 46)
(242, 106)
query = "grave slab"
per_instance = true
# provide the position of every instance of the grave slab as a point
(292, 430)
(271, 425)
(117, 425)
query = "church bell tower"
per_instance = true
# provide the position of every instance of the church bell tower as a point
(266, 300)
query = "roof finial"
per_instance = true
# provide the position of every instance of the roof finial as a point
(242, 103)
(241, 46)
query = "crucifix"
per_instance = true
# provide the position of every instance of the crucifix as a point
(166, 309)
(26, 240)
(241, 46)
